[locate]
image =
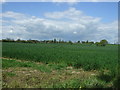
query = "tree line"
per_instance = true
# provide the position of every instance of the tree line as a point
(101, 43)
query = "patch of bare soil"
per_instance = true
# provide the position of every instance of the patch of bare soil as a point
(31, 78)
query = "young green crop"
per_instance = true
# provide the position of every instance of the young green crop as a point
(77, 55)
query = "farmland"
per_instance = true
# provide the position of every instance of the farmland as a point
(59, 56)
(92, 57)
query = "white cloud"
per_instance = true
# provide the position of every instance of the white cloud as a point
(74, 32)
(2, 1)
(69, 2)
(66, 14)
(71, 24)
(72, 14)
(13, 15)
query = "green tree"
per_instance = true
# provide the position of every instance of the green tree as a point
(97, 43)
(78, 41)
(59, 41)
(70, 42)
(91, 42)
(83, 42)
(87, 41)
(103, 42)
(18, 40)
(54, 41)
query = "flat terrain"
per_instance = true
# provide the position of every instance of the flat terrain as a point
(58, 65)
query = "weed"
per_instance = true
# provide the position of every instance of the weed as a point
(11, 74)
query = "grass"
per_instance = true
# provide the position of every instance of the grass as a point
(77, 55)
(30, 74)
(42, 67)
(52, 60)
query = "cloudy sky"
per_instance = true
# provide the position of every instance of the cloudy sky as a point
(91, 21)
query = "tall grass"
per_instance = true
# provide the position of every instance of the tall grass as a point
(77, 55)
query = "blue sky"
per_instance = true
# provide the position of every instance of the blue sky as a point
(108, 11)
(54, 15)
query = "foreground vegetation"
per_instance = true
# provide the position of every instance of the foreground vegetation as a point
(19, 74)
(57, 57)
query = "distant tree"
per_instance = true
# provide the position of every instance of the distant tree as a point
(59, 41)
(87, 41)
(23, 41)
(62, 41)
(103, 42)
(70, 42)
(97, 43)
(78, 41)
(91, 42)
(8, 40)
(18, 40)
(44, 41)
(32, 41)
(83, 42)
(54, 41)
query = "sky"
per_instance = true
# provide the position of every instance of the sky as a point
(92, 21)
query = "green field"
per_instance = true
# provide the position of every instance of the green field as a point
(87, 57)
(58, 56)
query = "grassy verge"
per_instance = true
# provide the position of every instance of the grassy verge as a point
(26, 74)
(39, 66)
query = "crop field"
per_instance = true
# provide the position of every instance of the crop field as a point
(58, 56)
(88, 57)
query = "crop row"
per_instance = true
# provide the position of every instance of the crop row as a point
(79, 56)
